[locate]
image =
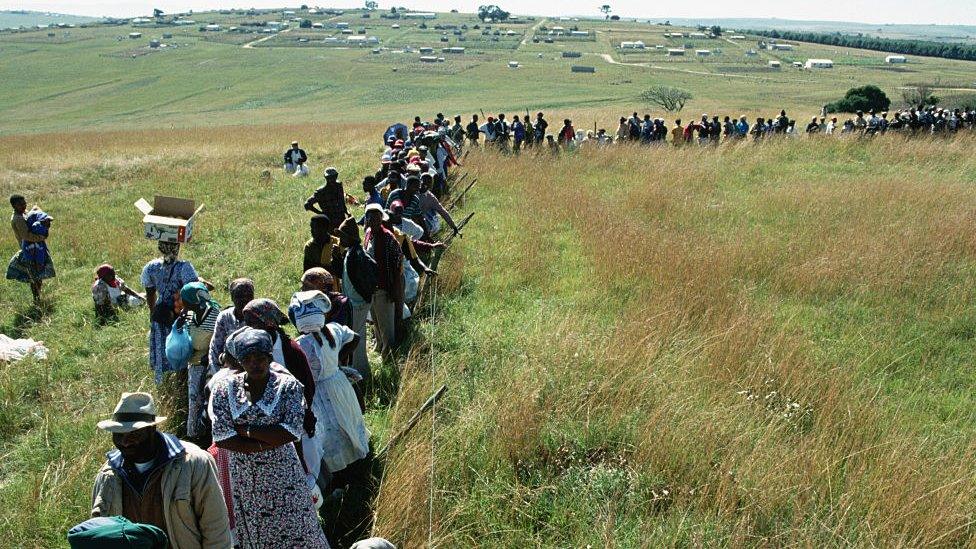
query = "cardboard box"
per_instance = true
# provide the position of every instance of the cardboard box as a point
(168, 219)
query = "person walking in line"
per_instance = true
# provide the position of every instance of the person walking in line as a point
(359, 281)
(257, 416)
(163, 278)
(329, 199)
(387, 302)
(154, 478)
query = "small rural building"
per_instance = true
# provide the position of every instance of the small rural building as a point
(419, 15)
(167, 36)
(698, 35)
(572, 54)
(773, 64)
(703, 53)
(340, 25)
(513, 64)
(579, 33)
(893, 59)
(557, 30)
(798, 65)
(357, 39)
(346, 31)
(154, 43)
(635, 45)
(752, 53)
(582, 68)
(737, 37)
(509, 32)
(781, 47)
(288, 12)
(394, 26)
(456, 50)
(134, 35)
(819, 64)
(677, 35)
(675, 52)
(212, 28)
(318, 26)
(428, 59)
(424, 50)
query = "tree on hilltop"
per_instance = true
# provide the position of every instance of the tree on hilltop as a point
(668, 98)
(371, 5)
(606, 9)
(492, 12)
(864, 98)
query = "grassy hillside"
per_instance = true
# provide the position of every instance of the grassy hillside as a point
(769, 348)
(98, 78)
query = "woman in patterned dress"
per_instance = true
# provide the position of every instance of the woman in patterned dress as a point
(163, 278)
(257, 416)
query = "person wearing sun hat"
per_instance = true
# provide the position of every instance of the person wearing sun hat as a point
(387, 300)
(154, 478)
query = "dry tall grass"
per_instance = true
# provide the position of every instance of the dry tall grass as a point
(743, 346)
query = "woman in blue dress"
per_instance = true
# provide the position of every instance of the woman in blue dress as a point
(163, 278)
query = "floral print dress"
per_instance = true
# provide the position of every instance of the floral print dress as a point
(272, 503)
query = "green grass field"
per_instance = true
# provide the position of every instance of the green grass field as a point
(748, 346)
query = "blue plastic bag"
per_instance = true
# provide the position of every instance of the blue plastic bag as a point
(179, 346)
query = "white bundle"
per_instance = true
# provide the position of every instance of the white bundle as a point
(13, 350)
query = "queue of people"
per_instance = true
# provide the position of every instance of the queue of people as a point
(525, 133)
(274, 432)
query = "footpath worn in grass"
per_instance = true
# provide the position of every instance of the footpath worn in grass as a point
(743, 346)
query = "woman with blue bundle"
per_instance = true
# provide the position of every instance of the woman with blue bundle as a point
(32, 264)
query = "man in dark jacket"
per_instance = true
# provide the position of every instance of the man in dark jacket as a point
(473, 130)
(358, 283)
(295, 159)
(321, 250)
(330, 199)
(387, 303)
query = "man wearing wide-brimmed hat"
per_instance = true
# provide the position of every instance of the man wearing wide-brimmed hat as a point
(155, 478)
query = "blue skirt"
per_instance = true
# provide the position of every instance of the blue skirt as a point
(23, 270)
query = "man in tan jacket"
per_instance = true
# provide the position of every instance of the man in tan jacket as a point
(155, 478)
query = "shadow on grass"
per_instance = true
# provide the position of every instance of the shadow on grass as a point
(27, 317)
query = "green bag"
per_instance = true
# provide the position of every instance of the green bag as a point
(116, 533)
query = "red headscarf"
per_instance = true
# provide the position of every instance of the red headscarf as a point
(104, 272)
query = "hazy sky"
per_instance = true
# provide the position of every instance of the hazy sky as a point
(870, 11)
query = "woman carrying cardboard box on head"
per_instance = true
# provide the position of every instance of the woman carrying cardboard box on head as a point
(170, 221)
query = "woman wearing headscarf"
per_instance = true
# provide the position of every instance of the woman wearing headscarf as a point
(319, 279)
(109, 292)
(340, 431)
(163, 278)
(230, 319)
(257, 417)
(200, 315)
(264, 314)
